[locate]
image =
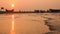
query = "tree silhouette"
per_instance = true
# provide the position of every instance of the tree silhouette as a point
(2, 8)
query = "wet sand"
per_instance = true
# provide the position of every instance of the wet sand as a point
(39, 23)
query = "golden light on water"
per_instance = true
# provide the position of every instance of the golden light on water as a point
(12, 22)
(12, 28)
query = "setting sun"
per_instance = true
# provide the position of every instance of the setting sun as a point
(12, 5)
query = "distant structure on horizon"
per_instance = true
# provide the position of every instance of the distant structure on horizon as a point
(54, 10)
(3, 10)
(10, 11)
(35, 11)
(40, 11)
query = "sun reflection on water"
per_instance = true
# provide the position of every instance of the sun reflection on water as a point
(12, 27)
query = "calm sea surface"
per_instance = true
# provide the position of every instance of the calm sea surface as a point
(27, 23)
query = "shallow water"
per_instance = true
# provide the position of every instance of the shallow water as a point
(28, 23)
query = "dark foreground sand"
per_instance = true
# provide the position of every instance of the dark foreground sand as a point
(53, 22)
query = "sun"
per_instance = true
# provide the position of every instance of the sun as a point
(12, 5)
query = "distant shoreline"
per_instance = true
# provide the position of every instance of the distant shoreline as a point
(35, 11)
(24, 12)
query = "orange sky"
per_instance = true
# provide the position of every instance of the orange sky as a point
(30, 4)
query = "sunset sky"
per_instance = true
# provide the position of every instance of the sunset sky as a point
(30, 4)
